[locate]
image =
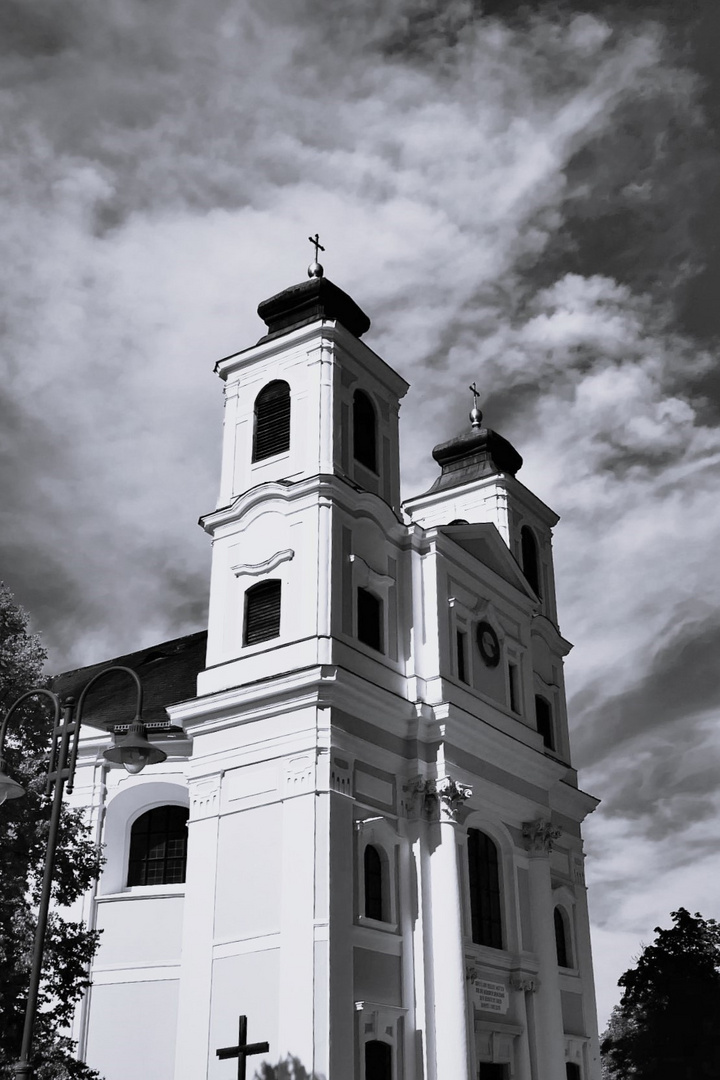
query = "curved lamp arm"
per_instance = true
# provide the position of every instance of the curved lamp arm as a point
(9, 788)
(134, 751)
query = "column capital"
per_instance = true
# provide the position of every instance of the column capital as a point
(451, 796)
(438, 800)
(539, 836)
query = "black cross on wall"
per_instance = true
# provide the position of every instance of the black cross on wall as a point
(243, 1050)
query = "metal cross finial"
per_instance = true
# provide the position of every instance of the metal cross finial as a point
(316, 241)
(475, 414)
(315, 270)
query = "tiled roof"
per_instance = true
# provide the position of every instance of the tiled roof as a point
(168, 673)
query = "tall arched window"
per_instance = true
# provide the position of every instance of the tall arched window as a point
(572, 1071)
(373, 875)
(562, 939)
(530, 561)
(262, 611)
(544, 721)
(364, 431)
(378, 1060)
(158, 847)
(272, 421)
(484, 876)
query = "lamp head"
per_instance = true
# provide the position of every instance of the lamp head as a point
(134, 751)
(9, 788)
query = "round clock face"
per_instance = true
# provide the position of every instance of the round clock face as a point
(488, 644)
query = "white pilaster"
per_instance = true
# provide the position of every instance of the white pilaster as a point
(451, 1009)
(539, 836)
(192, 1047)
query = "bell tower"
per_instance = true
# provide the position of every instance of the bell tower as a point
(311, 418)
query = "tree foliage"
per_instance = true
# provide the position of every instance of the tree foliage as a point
(666, 1026)
(24, 824)
(291, 1068)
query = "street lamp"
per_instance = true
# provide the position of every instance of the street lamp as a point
(134, 752)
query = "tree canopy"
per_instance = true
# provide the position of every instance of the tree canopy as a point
(666, 1026)
(23, 840)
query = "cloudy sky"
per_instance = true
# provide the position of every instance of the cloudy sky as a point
(522, 195)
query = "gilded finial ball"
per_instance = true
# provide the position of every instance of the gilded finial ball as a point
(315, 269)
(475, 418)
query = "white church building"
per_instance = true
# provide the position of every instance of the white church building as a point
(366, 835)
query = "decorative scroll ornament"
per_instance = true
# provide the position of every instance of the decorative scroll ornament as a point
(255, 569)
(539, 835)
(522, 980)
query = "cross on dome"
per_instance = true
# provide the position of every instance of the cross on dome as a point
(475, 414)
(315, 269)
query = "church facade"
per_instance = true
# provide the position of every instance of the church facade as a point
(366, 836)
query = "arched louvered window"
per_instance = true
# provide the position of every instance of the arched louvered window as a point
(484, 877)
(562, 943)
(373, 874)
(544, 721)
(158, 847)
(364, 431)
(262, 611)
(378, 1060)
(272, 421)
(530, 561)
(369, 619)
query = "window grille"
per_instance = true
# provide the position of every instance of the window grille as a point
(484, 876)
(158, 847)
(262, 611)
(373, 875)
(369, 619)
(364, 431)
(272, 421)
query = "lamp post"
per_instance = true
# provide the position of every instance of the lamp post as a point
(133, 751)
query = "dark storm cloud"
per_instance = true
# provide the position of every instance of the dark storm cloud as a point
(681, 683)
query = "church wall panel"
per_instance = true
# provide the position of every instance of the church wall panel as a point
(247, 984)
(151, 1050)
(248, 889)
(139, 931)
(377, 977)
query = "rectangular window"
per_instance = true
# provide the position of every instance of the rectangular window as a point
(369, 619)
(461, 648)
(544, 721)
(513, 688)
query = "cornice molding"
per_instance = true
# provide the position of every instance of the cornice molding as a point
(255, 569)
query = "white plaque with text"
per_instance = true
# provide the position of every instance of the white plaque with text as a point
(490, 996)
